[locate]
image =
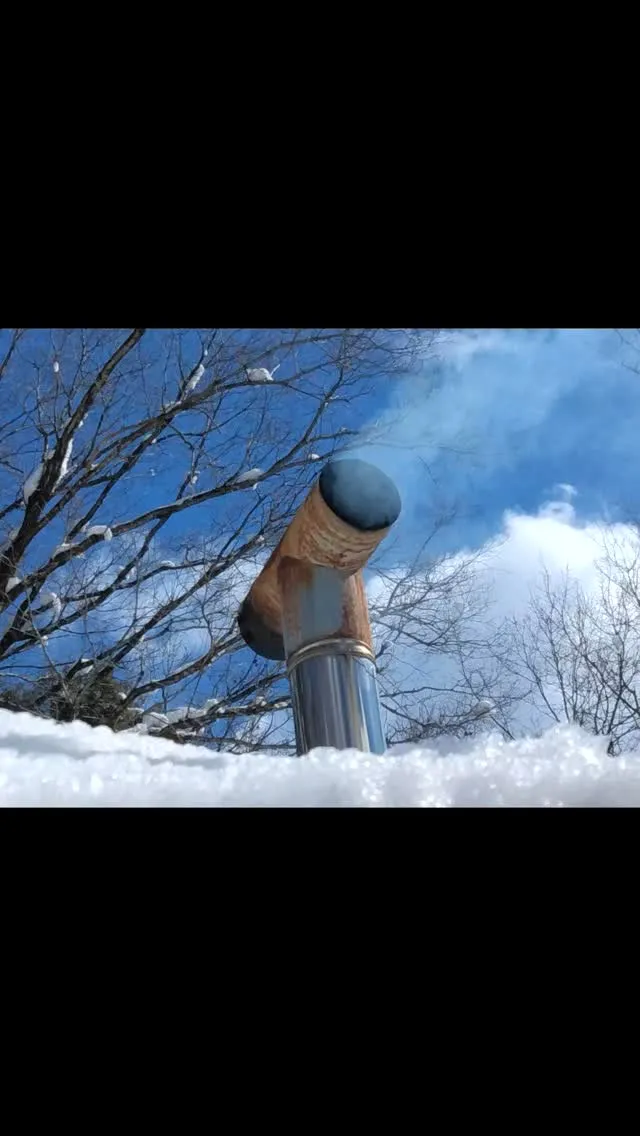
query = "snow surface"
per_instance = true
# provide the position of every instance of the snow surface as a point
(48, 763)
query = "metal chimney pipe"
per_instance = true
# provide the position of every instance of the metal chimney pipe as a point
(308, 605)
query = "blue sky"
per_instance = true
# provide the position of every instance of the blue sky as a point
(491, 426)
(516, 413)
(513, 413)
(527, 408)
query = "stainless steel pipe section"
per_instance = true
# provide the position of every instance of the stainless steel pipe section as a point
(308, 605)
(335, 696)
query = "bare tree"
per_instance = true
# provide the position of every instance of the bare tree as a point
(144, 477)
(436, 646)
(576, 658)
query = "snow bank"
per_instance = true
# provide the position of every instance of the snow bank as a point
(46, 763)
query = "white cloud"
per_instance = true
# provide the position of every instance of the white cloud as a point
(554, 539)
(498, 398)
(566, 490)
(461, 346)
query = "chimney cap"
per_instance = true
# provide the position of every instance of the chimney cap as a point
(360, 494)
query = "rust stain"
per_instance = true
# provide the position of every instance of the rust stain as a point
(316, 537)
(355, 612)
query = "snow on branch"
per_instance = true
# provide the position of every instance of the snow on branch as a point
(11, 536)
(194, 380)
(52, 600)
(64, 468)
(35, 477)
(482, 708)
(251, 476)
(98, 530)
(261, 374)
(32, 482)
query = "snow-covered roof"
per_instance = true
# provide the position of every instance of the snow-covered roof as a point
(48, 763)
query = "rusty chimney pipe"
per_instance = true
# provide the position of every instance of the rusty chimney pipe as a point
(308, 605)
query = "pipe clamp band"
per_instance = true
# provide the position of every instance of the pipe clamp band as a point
(336, 646)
